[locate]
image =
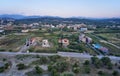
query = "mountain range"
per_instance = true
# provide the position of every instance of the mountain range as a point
(17, 16)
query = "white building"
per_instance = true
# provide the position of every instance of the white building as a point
(83, 29)
(45, 43)
(24, 31)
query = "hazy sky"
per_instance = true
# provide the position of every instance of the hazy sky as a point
(63, 8)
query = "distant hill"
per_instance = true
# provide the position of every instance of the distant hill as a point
(14, 16)
(17, 16)
(21, 19)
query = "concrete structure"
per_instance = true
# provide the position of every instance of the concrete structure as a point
(101, 48)
(85, 39)
(64, 42)
(1, 31)
(83, 29)
(24, 31)
(45, 43)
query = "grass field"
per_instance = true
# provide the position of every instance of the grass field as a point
(12, 42)
(111, 37)
(112, 50)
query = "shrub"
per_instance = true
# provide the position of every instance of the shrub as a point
(21, 66)
(100, 72)
(115, 73)
(76, 69)
(38, 70)
(87, 62)
(87, 70)
(2, 69)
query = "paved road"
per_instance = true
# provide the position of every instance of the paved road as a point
(63, 54)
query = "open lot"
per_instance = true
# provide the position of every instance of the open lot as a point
(111, 37)
(12, 42)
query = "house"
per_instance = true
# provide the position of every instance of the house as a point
(32, 40)
(81, 37)
(45, 43)
(24, 31)
(88, 40)
(104, 50)
(64, 42)
(83, 29)
(1, 31)
(101, 48)
(85, 39)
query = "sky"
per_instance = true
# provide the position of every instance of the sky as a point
(62, 8)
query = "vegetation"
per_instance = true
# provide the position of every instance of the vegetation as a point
(20, 66)
(5, 67)
(115, 73)
(38, 70)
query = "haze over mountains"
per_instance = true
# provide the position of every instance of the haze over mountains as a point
(18, 16)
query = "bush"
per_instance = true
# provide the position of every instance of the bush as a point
(2, 50)
(54, 72)
(38, 70)
(100, 72)
(54, 58)
(58, 66)
(109, 65)
(105, 60)
(87, 70)
(76, 69)
(2, 69)
(43, 60)
(21, 66)
(6, 65)
(115, 73)
(87, 62)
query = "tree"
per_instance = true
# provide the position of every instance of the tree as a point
(100, 73)
(6, 65)
(61, 66)
(43, 60)
(97, 62)
(109, 65)
(115, 73)
(2, 69)
(76, 69)
(38, 69)
(105, 60)
(94, 59)
(54, 72)
(76, 64)
(87, 62)
(21, 66)
(87, 70)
